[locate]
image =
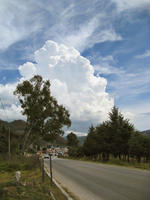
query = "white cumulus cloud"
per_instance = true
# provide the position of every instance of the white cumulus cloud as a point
(72, 83)
(6, 94)
(9, 105)
(13, 112)
(140, 118)
(27, 70)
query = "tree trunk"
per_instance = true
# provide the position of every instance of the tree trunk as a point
(138, 159)
(119, 156)
(103, 156)
(128, 157)
(124, 157)
(107, 157)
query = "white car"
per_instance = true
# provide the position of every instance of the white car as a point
(46, 156)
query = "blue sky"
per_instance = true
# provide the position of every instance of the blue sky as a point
(113, 35)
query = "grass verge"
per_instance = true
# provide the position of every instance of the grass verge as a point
(30, 186)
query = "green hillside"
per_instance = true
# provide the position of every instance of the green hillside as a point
(18, 127)
(146, 132)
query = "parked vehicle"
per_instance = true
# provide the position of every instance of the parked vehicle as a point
(60, 154)
(46, 156)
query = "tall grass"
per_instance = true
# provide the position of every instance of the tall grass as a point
(18, 163)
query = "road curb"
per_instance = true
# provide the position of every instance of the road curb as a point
(62, 190)
(58, 185)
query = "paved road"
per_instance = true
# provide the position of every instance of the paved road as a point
(90, 181)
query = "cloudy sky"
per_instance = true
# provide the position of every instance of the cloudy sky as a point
(95, 53)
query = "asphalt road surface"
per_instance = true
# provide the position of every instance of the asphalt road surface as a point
(90, 181)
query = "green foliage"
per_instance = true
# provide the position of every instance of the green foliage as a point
(121, 130)
(116, 137)
(3, 139)
(72, 140)
(45, 118)
(90, 144)
(139, 146)
(81, 139)
(76, 152)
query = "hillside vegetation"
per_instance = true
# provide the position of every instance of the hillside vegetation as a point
(146, 132)
(17, 134)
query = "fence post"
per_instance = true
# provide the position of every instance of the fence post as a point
(50, 169)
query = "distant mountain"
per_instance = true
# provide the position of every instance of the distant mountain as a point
(146, 132)
(18, 127)
(3, 123)
(18, 124)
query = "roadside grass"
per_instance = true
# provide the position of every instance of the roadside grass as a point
(132, 163)
(114, 161)
(30, 186)
(19, 163)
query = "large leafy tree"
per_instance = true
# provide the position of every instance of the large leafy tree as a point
(104, 140)
(90, 146)
(45, 117)
(139, 146)
(110, 137)
(121, 130)
(72, 140)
